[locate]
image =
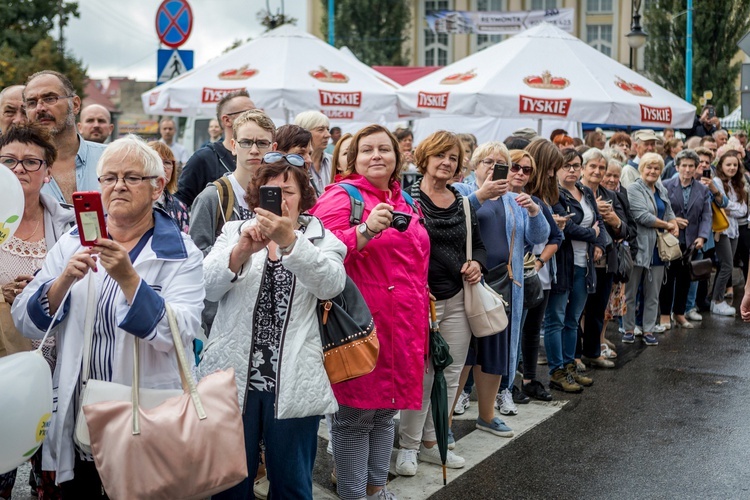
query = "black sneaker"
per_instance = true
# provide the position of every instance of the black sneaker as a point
(536, 390)
(519, 397)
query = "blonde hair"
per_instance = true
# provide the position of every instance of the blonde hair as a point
(650, 158)
(259, 118)
(486, 149)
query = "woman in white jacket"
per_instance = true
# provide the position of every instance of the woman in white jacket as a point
(145, 263)
(268, 275)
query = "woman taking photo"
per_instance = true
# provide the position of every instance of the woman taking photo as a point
(145, 252)
(438, 157)
(28, 152)
(731, 183)
(389, 266)
(268, 275)
(507, 224)
(576, 277)
(167, 202)
(691, 203)
(652, 212)
(616, 225)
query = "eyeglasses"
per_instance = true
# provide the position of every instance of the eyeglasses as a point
(574, 166)
(247, 144)
(49, 100)
(130, 180)
(293, 159)
(238, 112)
(517, 168)
(28, 164)
(488, 162)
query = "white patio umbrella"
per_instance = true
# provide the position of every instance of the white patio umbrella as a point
(285, 70)
(545, 73)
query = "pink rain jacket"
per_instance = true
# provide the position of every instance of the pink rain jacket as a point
(391, 273)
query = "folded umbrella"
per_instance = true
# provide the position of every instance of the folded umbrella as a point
(441, 359)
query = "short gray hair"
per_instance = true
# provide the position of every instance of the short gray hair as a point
(614, 154)
(484, 150)
(132, 146)
(311, 119)
(686, 154)
(592, 154)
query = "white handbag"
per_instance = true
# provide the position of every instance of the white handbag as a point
(485, 308)
(96, 391)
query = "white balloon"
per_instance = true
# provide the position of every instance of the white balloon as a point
(26, 402)
(11, 204)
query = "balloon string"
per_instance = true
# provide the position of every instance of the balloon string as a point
(54, 318)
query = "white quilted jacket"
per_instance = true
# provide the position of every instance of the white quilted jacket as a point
(317, 261)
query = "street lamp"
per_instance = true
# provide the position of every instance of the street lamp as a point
(636, 37)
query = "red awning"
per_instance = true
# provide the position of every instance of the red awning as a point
(405, 74)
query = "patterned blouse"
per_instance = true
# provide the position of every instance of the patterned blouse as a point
(175, 209)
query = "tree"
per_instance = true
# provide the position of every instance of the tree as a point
(717, 27)
(26, 45)
(374, 30)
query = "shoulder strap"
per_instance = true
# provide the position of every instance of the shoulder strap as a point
(88, 328)
(225, 193)
(356, 201)
(212, 147)
(467, 216)
(410, 201)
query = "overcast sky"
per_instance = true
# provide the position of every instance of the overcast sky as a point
(118, 37)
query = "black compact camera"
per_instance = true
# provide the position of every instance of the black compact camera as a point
(401, 221)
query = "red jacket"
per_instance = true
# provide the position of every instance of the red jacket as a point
(391, 273)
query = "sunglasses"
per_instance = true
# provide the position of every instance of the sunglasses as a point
(517, 168)
(293, 159)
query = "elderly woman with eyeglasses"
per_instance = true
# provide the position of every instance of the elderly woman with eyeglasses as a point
(143, 263)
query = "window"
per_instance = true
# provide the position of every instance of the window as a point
(599, 36)
(484, 41)
(436, 46)
(543, 4)
(599, 6)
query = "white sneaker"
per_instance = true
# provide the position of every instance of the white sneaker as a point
(383, 494)
(462, 404)
(406, 462)
(504, 403)
(694, 315)
(432, 455)
(722, 309)
(660, 328)
(637, 332)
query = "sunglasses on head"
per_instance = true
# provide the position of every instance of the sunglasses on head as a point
(517, 168)
(293, 159)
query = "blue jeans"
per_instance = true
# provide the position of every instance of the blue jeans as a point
(290, 444)
(561, 322)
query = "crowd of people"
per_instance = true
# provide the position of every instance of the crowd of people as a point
(587, 219)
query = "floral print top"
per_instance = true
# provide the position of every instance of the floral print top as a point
(175, 209)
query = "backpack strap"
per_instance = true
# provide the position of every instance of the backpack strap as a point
(225, 193)
(357, 203)
(410, 201)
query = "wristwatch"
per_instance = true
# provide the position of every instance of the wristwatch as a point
(362, 228)
(539, 259)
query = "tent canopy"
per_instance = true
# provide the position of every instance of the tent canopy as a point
(545, 73)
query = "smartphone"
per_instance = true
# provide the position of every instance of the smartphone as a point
(608, 202)
(270, 199)
(707, 172)
(499, 172)
(711, 111)
(89, 216)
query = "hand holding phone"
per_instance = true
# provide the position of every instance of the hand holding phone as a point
(270, 199)
(707, 173)
(89, 216)
(499, 172)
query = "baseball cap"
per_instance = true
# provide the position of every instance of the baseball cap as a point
(527, 133)
(645, 134)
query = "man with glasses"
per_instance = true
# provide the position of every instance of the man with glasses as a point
(215, 159)
(51, 102)
(12, 111)
(253, 136)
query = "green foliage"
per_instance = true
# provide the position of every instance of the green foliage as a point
(717, 27)
(374, 30)
(26, 45)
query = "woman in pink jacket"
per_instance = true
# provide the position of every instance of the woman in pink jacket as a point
(389, 265)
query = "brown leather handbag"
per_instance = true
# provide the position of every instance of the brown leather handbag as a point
(699, 269)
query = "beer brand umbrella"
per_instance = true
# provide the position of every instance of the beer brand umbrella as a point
(285, 70)
(546, 73)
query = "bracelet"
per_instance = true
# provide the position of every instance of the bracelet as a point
(539, 259)
(373, 233)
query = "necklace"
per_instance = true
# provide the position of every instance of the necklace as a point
(32, 234)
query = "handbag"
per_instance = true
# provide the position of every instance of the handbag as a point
(348, 335)
(533, 293)
(700, 269)
(95, 391)
(485, 309)
(667, 246)
(719, 219)
(190, 446)
(624, 263)
(11, 341)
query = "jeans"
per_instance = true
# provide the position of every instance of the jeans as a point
(561, 322)
(291, 445)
